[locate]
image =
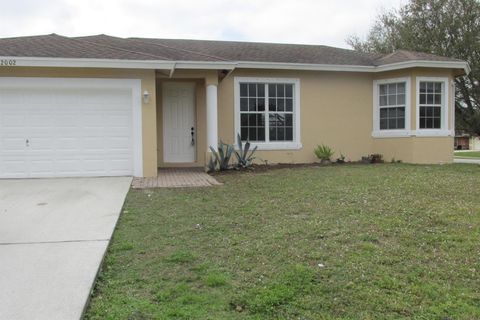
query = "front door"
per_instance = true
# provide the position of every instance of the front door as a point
(179, 122)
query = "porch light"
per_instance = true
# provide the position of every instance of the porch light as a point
(146, 97)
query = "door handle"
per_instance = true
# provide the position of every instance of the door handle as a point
(27, 143)
(192, 132)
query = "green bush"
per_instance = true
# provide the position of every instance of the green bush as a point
(324, 152)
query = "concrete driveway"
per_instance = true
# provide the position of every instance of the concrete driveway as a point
(53, 236)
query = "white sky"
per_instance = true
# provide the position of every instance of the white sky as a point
(288, 21)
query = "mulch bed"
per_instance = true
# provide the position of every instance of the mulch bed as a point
(261, 168)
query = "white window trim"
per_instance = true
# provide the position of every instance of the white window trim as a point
(452, 106)
(392, 133)
(274, 145)
(443, 131)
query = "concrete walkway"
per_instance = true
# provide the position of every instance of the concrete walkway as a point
(53, 236)
(466, 160)
(176, 178)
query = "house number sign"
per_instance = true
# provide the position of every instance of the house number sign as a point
(8, 63)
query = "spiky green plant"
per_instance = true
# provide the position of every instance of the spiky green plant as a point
(220, 159)
(323, 152)
(244, 157)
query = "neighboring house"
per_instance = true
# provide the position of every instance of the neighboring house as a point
(461, 142)
(105, 106)
(466, 142)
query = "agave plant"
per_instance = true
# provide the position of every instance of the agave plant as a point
(244, 158)
(220, 158)
(212, 164)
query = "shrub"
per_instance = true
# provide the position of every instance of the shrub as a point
(376, 158)
(373, 158)
(323, 152)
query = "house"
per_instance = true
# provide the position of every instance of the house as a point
(461, 142)
(106, 106)
(464, 141)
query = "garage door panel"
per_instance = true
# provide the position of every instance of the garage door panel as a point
(66, 121)
(15, 167)
(92, 120)
(12, 120)
(9, 145)
(40, 120)
(94, 144)
(46, 166)
(120, 120)
(39, 145)
(70, 132)
(95, 165)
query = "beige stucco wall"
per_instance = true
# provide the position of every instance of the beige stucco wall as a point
(147, 77)
(415, 149)
(337, 109)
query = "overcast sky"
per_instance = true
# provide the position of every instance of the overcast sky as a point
(327, 22)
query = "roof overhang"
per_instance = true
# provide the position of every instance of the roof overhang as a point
(355, 68)
(221, 65)
(426, 64)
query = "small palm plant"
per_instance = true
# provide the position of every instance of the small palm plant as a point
(324, 153)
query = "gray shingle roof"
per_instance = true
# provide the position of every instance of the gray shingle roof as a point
(107, 47)
(55, 46)
(404, 55)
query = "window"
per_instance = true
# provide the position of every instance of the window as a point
(432, 106)
(267, 111)
(280, 111)
(391, 107)
(252, 109)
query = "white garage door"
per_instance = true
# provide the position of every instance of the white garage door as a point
(66, 128)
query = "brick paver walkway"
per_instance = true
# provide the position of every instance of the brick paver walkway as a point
(176, 178)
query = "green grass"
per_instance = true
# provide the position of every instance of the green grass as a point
(467, 154)
(387, 241)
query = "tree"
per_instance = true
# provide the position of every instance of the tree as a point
(444, 27)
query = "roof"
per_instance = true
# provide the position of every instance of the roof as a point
(104, 47)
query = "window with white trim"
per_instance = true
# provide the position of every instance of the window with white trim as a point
(391, 114)
(430, 104)
(392, 105)
(252, 111)
(267, 111)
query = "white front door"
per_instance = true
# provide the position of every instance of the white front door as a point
(179, 137)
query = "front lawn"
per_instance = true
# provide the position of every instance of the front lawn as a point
(352, 242)
(467, 154)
